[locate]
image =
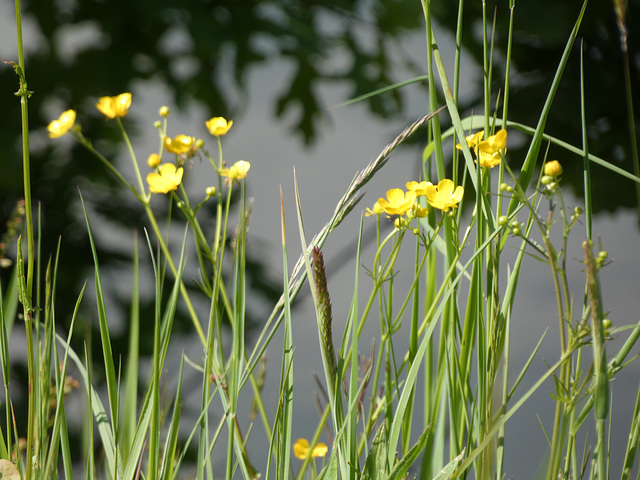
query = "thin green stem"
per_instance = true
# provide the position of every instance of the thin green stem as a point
(133, 157)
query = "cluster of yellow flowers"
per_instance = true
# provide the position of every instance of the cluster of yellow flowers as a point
(166, 177)
(443, 196)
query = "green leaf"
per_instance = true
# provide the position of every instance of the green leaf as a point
(375, 467)
(449, 468)
(403, 465)
(330, 472)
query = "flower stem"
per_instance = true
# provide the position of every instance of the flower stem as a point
(24, 94)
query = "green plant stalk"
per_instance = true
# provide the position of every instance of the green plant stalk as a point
(456, 82)
(131, 375)
(43, 360)
(154, 431)
(203, 458)
(505, 102)
(586, 167)
(28, 320)
(26, 286)
(24, 94)
(286, 388)
(132, 154)
(486, 69)
(237, 352)
(599, 361)
(59, 422)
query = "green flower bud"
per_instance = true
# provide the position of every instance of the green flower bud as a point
(546, 180)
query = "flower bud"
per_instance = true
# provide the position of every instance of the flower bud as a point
(553, 168)
(157, 124)
(199, 143)
(164, 111)
(516, 231)
(547, 180)
(211, 191)
(503, 220)
(154, 160)
(503, 186)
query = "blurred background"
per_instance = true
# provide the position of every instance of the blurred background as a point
(277, 68)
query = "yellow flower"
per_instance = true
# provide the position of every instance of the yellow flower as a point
(302, 448)
(237, 171)
(420, 211)
(488, 151)
(418, 187)
(59, 127)
(553, 168)
(218, 126)
(167, 178)
(397, 201)
(113, 107)
(444, 196)
(154, 160)
(179, 144)
(472, 140)
(375, 210)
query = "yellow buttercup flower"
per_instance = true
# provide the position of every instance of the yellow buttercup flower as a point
(418, 187)
(375, 210)
(488, 151)
(166, 179)
(445, 195)
(397, 201)
(218, 126)
(301, 449)
(113, 107)
(237, 171)
(62, 125)
(472, 140)
(553, 168)
(180, 144)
